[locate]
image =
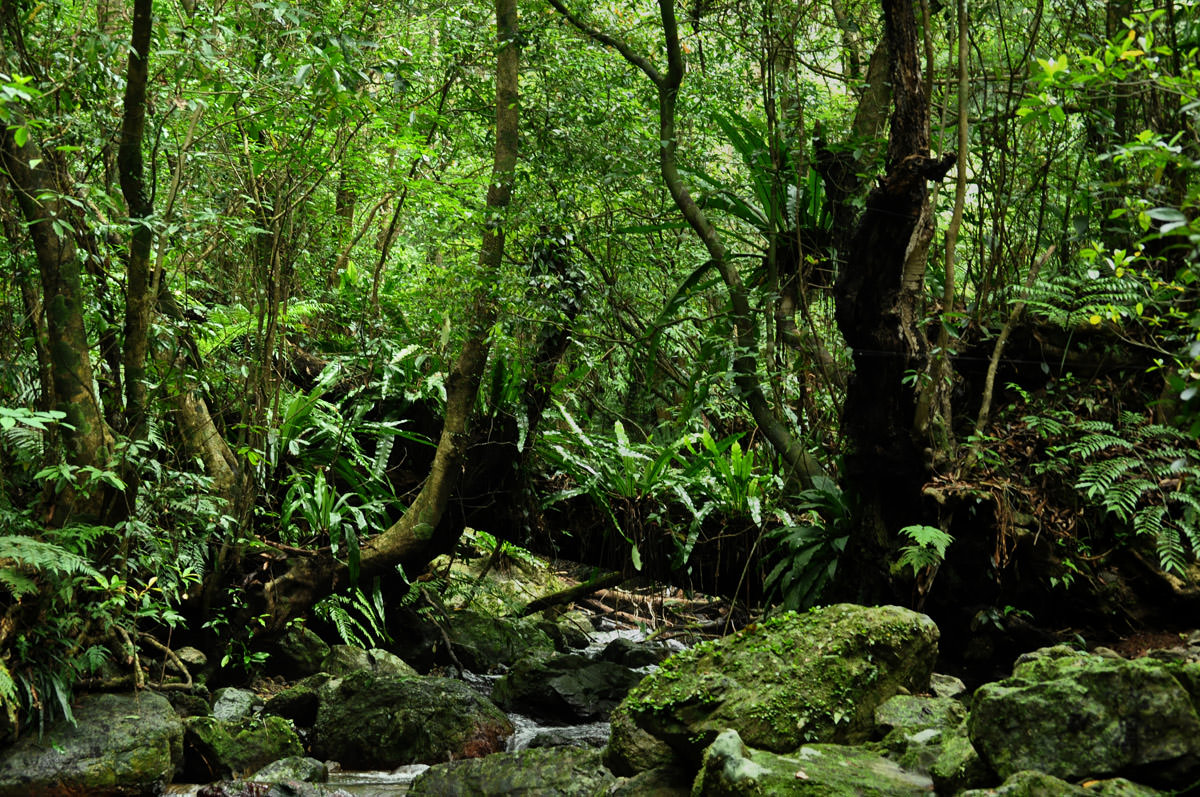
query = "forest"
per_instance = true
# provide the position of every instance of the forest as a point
(793, 303)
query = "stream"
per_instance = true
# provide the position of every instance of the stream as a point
(528, 732)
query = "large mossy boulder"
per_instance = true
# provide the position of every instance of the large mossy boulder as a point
(483, 644)
(370, 721)
(299, 652)
(563, 771)
(1075, 715)
(1030, 783)
(564, 688)
(731, 769)
(796, 678)
(345, 659)
(215, 749)
(120, 744)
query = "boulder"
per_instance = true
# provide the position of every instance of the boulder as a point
(561, 771)
(299, 652)
(231, 704)
(632, 750)
(1073, 715)
(345, 659)
(958, 766)
(911, 713)
(1030, 783)
(370, 721)
(564, 688)
(796, 678)
(730, 768)
(662, 782)
(308, 770)
(250, 788)
(119, 744)
(485, 644)
(628, 653)
(298, 702)
(216, 749)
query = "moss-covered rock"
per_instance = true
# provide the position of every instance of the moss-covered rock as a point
(730, 769)
(484, 644)
(299, 701)
(216, 749)
(369, 721)
(560, 771)
(345, 659)
(632, 750)
(120, 744)
(1075, 715)
(301, 768)
(917, 712)
(958, 765)
(1030, 783)
(797, 678)
(299, 652)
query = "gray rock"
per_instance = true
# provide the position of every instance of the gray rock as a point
(628, 653)
(947, 686)
(913, 713)
(560, 771)
(730, 768)
(308, 770)
(796, 678)
(369, 721)
(121, 743)
(1073, 715)
(564, 688)
(231, 704)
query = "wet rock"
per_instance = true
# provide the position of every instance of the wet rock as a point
(288, 788)
(947, 686)
(564, 688)
(817, 676)
(216, 749)
(564, 771)
(369, 721)
(632, 654)
(299, 652)
(232, 704)
(662, 782)
(1075, 715)
(730, 768)
(121, 743)
(345, 659)
(309, 770)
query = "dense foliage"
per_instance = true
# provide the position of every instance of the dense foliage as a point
(228, 337)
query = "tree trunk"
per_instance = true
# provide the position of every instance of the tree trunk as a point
(411, 542)
(878, 297)
(800, 463)
(138, 298)
(87, 438)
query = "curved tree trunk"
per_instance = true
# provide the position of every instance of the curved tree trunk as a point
(878, 297)
(801, 464)
(411, 542)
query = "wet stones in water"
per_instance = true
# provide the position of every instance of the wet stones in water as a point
(565, 771)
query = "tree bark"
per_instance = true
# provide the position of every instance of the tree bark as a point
(411, 542)
(138, 298)
(87, 439)
(878, 302)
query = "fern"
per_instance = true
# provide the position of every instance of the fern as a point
(18, 553)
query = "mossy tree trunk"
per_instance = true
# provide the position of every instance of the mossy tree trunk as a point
(879, 297)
